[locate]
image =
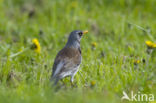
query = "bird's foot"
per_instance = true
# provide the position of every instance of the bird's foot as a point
(73, 85)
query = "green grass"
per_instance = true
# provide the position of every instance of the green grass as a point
(113, 24)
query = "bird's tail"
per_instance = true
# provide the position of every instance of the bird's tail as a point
(54, 80)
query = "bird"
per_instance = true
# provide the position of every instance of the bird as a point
(68, 59)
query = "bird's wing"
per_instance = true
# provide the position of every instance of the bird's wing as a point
(66, 59)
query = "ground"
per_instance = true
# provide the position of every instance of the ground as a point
(115, 55)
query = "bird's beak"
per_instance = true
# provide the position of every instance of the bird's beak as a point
(85, 32)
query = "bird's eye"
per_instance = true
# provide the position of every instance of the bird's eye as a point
(80, 33)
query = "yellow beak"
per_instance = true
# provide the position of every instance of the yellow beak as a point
(85, 32)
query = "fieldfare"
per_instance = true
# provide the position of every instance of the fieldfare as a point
(69, 58)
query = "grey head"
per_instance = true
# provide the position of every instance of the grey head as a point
(75, 38)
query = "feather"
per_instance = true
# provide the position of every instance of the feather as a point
(66, 62)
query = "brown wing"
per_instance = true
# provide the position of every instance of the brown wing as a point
(70, 57)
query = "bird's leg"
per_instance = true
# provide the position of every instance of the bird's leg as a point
(71, 81)
(56, 80)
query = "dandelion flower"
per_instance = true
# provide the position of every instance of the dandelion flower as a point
(20, 50)
(136, 62)
(93, 44)
(150, 44)
(74, 4)
(36, 45)
(93, 83)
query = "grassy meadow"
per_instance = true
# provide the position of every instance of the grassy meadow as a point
(115, 54)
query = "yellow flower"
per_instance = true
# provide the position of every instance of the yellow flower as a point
(20, 50)
(136, 62)
(93, 44)
(1, 1)
(150, 44)
(74, 4)
(93, 83)
(36, 45)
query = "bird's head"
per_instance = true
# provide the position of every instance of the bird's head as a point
(75, 37)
